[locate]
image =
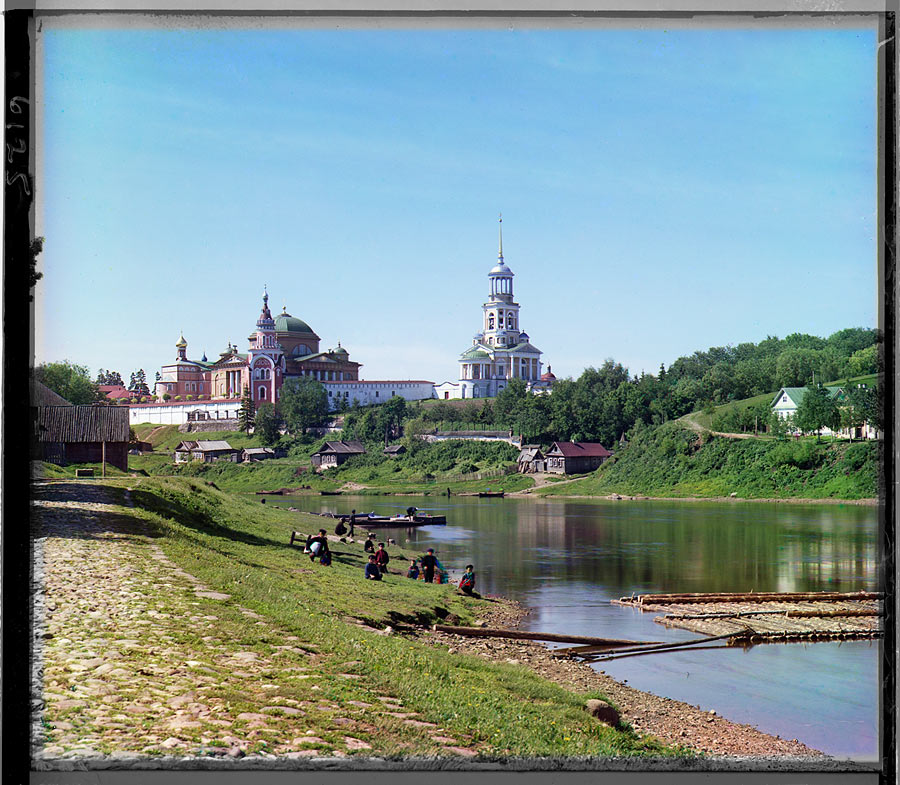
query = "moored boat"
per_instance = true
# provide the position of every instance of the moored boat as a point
(362, 521)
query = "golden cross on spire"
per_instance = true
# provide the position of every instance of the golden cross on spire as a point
(500, 252)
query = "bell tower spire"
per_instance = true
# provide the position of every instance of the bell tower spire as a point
(500, 252)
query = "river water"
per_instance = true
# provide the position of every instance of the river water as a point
(566, 560)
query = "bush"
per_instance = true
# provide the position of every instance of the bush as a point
(177, 398)
(166, 396)
(189, 397)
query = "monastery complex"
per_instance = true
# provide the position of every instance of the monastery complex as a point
(284, 346)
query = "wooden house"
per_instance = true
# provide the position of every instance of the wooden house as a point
(67, 434)
(253, 454)
(206, 451)
(335, 453)
(575, 457)
(531, 459)
(394, 450)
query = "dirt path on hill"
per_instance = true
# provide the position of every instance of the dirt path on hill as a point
(542, 479)
(688, 419)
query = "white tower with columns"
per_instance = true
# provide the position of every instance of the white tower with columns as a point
(501, 351)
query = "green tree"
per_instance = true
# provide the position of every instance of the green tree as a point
(563, 413)
(863, 362)
(817, 410)
(853, 339)
(72, 382)
(509, 401)
(267, 424)
(393, 413)
(246, 412)
(139, 383)
(780, 427)
(37, 245)
(534, 418)
(471, 412)
(486, 417)
(795, 367)
(865, 403)
(304, 403)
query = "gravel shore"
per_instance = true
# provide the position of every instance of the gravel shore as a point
(671, 721)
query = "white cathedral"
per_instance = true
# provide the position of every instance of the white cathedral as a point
(501, 351)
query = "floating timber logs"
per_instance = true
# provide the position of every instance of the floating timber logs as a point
(769, 616)
(487, 632)
(762, 596)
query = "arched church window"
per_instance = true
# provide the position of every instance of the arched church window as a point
(262, 393)
(491, 322)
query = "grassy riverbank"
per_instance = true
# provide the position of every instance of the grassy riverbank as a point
(673, 461)
(239, 549)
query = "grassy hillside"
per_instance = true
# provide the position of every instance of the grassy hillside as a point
(674, 461)
(241, 548)
(427, 469)
(707, 418)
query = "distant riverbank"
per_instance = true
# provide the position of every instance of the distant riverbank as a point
(720, 499)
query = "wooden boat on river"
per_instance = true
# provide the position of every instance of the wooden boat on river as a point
(398, 521)
(491, 495)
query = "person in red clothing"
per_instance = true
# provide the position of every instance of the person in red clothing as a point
(382, 558)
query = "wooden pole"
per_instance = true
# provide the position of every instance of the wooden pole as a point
(487, 632)
(617, 655)
(680, 644)
(103, 469)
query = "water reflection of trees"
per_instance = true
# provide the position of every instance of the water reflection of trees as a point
(620, 547)
(684, 547)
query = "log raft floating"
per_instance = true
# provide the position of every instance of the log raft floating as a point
(769, 616)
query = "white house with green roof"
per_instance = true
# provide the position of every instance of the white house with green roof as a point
(501, 350)
(789, 398)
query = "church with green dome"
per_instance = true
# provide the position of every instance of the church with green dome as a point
(302, 356)
(279, 348)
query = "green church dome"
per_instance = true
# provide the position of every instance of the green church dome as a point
(285, 323)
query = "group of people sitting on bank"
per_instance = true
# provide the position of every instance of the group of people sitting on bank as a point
(425, 568)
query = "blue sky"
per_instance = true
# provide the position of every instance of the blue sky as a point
(662, 191)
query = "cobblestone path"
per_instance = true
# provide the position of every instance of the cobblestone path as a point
(136, 659)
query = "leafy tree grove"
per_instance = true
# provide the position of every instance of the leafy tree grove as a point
(72, 382)
(303, 404)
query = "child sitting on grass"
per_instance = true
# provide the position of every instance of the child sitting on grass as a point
(372, 572)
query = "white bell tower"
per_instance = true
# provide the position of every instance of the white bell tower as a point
(501, 312)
